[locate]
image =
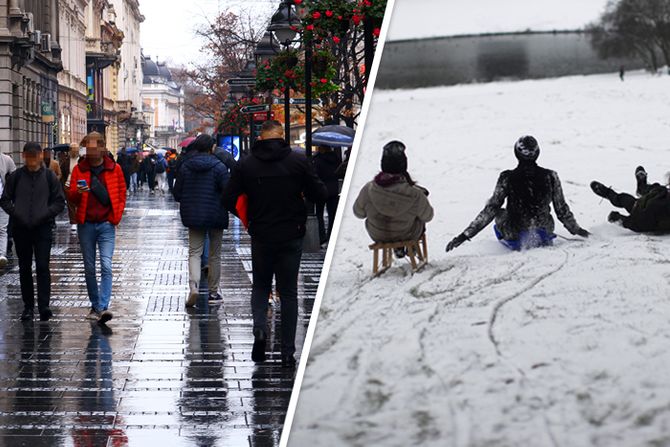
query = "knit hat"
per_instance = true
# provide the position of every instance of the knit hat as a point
(526, 149)
(394, 160)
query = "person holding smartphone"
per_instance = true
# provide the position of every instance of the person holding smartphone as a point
(98, 191)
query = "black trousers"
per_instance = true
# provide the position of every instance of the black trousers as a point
(331, 206)
(37, 242)
(281, 260)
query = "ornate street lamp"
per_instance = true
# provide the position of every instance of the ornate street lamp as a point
(282, 26)
(264, 52)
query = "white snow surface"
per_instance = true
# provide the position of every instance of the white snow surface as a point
(560, 346)
(414, 19)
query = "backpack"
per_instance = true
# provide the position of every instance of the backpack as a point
(160, 166)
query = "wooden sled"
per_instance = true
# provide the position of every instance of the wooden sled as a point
(417, 253)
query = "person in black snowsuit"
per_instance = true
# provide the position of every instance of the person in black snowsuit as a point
(648, 213)
(529, 190)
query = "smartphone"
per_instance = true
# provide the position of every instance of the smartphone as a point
(82, 183)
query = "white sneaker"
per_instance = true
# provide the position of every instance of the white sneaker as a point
(3, 262)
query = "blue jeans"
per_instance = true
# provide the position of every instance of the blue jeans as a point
(100, 235)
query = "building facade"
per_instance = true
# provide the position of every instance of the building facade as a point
(71, 117)
(30, 59)
(163, 102)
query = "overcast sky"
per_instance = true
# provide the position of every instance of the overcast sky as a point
(168, 29)
(432, 18)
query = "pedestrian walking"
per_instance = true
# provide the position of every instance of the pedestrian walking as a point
(198, 189)
(161, 168)
(275, 178)
(134, 168)
(123, 160)
(326, 163)
(68, 167)
(622, 72)
(33, 197)
(395, 207)
(52, 164)
(529, 190)
(98, 190)
(171, 171)
(7, 166)
(149, 168)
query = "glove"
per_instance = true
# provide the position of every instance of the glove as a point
(458, 240)
(583, 233)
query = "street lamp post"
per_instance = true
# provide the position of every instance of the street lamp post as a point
(282, 25)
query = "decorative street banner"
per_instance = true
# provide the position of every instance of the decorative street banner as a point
(47, 112)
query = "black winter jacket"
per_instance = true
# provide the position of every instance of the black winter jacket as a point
(529, 190)
(198, 187)
(651, 212)
(32, 198)
(326, 164)
(274, 179)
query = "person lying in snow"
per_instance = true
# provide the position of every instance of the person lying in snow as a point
(529, 190)
(648, 213)
(394, 206)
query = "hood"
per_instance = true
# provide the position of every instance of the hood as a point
(201, 162)
(271, 150)
(108, 164)
(393, 200)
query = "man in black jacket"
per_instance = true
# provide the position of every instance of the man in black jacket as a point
(33, 197)
(275, 178)
(529, 190)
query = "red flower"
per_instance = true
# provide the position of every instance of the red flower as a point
(356, 19)
(367, 3)
(293, 28)
(376, 32)
(297, 2)
(310, 27)
(316, 15)
(329, 13)
(336, 39)
(339, 17)
(324, 81)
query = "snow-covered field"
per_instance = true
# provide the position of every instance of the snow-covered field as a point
(560, 346)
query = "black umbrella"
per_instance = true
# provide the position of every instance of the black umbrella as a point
(333, 135)
(60, 148)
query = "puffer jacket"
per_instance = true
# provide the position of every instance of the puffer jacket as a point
(113, 179)
(397, 212)
(198, 188)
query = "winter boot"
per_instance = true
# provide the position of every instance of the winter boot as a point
(641, 178)
(258, 351)
(601, 190)
(614, 217)
(399, 252)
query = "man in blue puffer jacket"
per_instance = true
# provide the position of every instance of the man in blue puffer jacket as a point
(198, 187)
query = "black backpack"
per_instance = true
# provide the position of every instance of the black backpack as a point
(160, 166)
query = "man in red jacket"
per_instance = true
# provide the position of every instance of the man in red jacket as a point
(98, 190)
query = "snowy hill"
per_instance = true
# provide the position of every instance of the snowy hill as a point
(566, 345)
(415, 19)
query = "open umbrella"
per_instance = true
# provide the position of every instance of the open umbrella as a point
(333, 135)
(161, 152)
(187, 141)
(60, 148)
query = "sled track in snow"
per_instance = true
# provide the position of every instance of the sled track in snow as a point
(502, 302)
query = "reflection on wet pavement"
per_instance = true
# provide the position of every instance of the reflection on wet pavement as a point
(164, 375)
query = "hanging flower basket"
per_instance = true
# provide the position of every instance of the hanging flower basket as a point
(288, 71)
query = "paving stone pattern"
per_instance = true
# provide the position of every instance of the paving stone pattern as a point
(165, 376)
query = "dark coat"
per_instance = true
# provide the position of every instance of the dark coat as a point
(651, 212)
(198, 188)
(32, 198)
(226, 158)
(325, 164)
(275, 179)
(529, 190)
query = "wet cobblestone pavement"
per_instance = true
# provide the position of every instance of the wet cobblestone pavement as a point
(165, 376)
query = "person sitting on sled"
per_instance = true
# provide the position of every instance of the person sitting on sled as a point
(394, 206)
(648, 213)
(529, 190)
